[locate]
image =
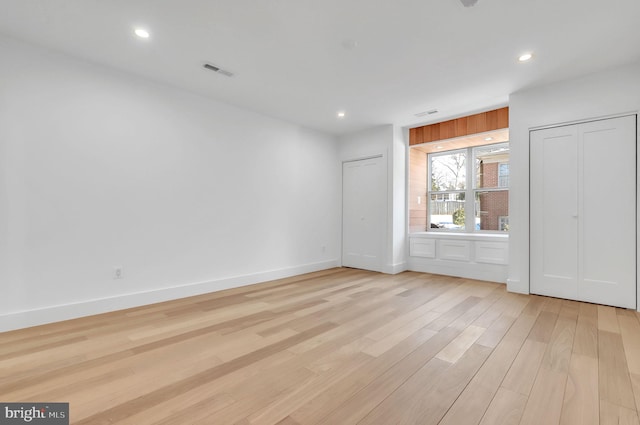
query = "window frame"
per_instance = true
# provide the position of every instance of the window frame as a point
(470, 192)
(447, 192)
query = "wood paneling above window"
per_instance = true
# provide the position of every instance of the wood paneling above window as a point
(478, 123)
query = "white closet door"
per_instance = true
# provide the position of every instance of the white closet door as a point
(583, 212)
(607, 210)
(364, 194)
(554, 209)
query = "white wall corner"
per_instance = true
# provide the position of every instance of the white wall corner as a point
(515, 285)
(395, 268)
(88, 145)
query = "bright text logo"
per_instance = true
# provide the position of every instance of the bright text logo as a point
(34, 413)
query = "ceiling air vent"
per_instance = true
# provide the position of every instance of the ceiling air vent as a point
(218, 70)
(425, 113)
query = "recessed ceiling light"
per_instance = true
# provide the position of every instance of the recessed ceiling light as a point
(341, 114)
(525, 57)
(142, 33)
(349, 44)
(439, 147)
(488, 139)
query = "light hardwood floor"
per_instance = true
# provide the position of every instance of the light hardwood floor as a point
(337, 347)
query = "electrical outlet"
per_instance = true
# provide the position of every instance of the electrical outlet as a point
(117, 272)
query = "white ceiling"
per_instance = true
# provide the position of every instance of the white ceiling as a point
(290, 59)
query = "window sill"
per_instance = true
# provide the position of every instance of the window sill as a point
(461, 236)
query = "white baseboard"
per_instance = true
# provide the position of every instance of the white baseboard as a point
(514, 285)
(395, 268)
(488, 272)
(56, 313)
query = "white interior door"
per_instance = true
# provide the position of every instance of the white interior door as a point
(583, 212)
(554, 210)
(364, 194)
(607, 210)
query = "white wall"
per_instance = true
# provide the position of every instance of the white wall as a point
(615, 91)
(102, 169)
(385, 140)
(399, 187)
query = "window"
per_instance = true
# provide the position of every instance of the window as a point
(491, 187)
(503, 174)
(448, 183)
(467, 188)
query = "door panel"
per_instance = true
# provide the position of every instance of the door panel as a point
(364, 194)
(607, 244)
(554, 169)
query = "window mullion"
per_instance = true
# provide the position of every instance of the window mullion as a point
(469, 204)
